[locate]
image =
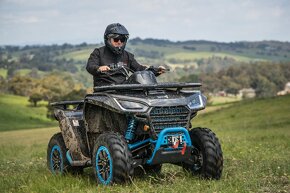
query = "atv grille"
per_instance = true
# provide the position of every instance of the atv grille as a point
(168, 117)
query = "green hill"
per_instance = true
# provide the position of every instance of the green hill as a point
(161, 50)
(199, 55)
(255, 139)
(250, 115)
(16, 113)
(183, 57)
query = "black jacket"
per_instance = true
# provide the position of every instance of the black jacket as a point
(103, 56)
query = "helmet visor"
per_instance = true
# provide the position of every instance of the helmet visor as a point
(117, 37)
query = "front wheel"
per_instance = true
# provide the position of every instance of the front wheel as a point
(207, 157)
(112, 160)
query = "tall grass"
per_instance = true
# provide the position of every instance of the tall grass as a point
(254, 136)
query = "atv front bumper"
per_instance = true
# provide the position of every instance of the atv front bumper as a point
(173, 145)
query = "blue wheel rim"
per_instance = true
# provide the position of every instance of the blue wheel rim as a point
(104, 166)
(56, 160)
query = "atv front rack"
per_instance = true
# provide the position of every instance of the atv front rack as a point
(145, 87)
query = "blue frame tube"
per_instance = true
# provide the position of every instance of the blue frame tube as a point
(160, 140)
(68, 157)
(138, 144)
(163, 133)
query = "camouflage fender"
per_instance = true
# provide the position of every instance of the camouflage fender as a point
(70, 136)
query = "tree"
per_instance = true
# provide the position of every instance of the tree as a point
(34, 73)
(36, 93)
(11, 71)
(20, 85)
(34, 98)
(3, 84)
(55, 86)
(264, 87)
(75, 95)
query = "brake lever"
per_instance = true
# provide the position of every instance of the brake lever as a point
(127, 73)
(119, 69)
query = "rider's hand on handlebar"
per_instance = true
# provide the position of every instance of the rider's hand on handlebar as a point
(104, 68)
(161, 70)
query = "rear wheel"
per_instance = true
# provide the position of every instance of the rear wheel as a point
(207, 157)
(56, 158)
(112, 160)
(57, 162)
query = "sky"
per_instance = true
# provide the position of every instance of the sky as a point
(48, 22)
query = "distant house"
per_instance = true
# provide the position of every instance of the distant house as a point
(286, 89)
(222, 93)
(247, 93)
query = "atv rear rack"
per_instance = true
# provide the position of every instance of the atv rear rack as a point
(145, 87)
(65, 104)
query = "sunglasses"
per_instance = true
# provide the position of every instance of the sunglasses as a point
(122, 39)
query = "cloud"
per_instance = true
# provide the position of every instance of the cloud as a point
(61, 21)
(13, 19)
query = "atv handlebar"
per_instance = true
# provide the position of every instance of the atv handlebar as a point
(125, 70)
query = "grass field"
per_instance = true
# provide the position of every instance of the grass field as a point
(169, 52)
(219, 100)
(80, 55)
(16, 113)
(254, 135)
(199, 55)
(3, 72)
(83, 55)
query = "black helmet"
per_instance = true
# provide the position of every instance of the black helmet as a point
(114, 30)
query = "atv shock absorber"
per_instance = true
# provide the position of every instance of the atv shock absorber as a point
(130, 133)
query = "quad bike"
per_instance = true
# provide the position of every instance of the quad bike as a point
(138, 124)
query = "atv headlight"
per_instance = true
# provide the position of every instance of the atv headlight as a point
(132, 106)
(197, 102)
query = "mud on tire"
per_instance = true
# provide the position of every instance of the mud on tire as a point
(208, 155)
(112, 160)
(57, 162)
(56, 158)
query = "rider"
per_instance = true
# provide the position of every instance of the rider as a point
(114, 55)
